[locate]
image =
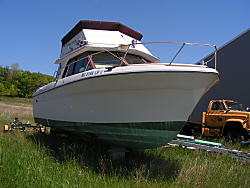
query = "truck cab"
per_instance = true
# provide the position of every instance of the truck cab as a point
(226, 118)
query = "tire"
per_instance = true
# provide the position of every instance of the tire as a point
(244, 135)
(235, 135)
(228, 136)
(53, 131)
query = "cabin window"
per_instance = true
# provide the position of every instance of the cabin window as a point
(234, 106)
(58, 72)
(134, 59)
(70, 69)
(217, 106)
(82, 65)
(79, 64)
(106, 59)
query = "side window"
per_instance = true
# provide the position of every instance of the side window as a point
(70, 69)
(58, 72)
(217, 106)
(81, 65)
(77, 65)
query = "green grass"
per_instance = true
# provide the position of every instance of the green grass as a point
(11, 107)
(227, 144)
(29, 159)
(16, 100)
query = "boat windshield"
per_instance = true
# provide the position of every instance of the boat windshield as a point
(234, 106)
(106, 59)
(111, 59)
(134, 59)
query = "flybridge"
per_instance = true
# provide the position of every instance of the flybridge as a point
(97, 33)
(100, 25)
(100, 36)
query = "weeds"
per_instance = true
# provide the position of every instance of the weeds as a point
(29, 159)
(16, 100)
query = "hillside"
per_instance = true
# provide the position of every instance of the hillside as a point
(20, 83)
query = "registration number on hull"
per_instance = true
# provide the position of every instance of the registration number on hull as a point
(92, 73)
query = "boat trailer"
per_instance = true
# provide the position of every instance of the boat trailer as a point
(18, 125)
(190, 142)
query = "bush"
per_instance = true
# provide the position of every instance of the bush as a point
(19, 83)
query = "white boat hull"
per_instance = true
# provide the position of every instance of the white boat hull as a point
(123, 98)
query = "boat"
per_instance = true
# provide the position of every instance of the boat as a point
(111, 87)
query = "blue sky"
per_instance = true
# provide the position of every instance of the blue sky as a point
(31, 31)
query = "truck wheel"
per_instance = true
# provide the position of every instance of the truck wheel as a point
(53, 131)
(244, 135)
(228, 136)
(235, 135)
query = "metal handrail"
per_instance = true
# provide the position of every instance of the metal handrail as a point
(183, 44)
(126, 48)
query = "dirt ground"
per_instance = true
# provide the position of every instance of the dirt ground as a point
(12, 109)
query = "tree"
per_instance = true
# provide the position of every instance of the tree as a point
(15, 82)
(13, 91)
(2, 89)
(14, 67)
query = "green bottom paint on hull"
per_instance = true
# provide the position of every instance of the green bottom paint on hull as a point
(130, 135)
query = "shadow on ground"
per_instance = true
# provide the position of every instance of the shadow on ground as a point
(94, 155)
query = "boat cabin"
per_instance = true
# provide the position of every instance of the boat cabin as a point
(97, 44)
(95, 60)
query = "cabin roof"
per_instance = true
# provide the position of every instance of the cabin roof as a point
(101, 25)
